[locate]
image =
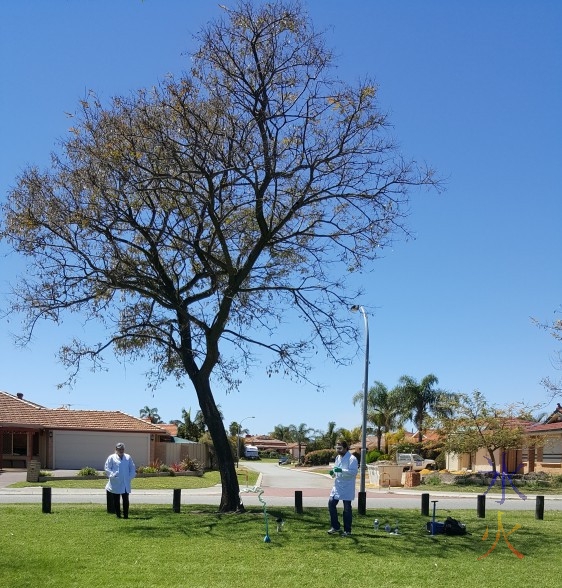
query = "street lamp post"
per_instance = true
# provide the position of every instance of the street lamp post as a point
(362, 498)
(238, 438)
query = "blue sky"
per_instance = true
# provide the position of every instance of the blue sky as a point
(473, 88)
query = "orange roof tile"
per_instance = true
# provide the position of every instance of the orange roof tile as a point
(542, 427)
(18, 412)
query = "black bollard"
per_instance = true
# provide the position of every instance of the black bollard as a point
(46, 499)
(425, 504)
(177, 500)
(362, 503)
(539, 508)
(481, 506)
(298, 501)
(109, 501)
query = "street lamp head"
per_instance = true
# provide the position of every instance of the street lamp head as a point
(245, 419)
(238, 438)
(354, 308)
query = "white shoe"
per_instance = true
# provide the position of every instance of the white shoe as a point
(333, 531)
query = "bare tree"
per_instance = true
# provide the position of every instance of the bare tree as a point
(555, 330)
(193, 219)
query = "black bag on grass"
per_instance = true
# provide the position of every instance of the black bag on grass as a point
(454, 527)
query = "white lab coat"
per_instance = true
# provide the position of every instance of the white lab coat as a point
(344, 481)
(120, 473)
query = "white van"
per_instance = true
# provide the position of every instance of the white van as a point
(251, 452)
(414, 461)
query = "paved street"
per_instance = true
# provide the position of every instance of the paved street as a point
(279, 485)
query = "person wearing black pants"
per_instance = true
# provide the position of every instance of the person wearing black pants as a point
(120, 469)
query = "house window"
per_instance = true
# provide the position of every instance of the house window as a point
(20, 444)
(7, 443)
(14, 443)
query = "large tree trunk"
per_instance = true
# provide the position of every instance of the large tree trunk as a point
(230, 499)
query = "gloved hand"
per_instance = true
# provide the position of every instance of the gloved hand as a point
(331, 472)
(338, 470)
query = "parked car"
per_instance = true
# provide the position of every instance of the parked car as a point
(414, 461)
(284, 459)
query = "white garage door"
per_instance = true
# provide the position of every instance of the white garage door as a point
(74, 450)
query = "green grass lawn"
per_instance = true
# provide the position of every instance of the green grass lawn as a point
(210, 478)
(83, 546)
(530, 488)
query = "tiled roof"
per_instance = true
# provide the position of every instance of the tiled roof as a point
(171, 429)
(541, 428)
(18, 412)
(264, 441)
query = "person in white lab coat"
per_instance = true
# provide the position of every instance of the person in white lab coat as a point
(344, 474)
(120, 469)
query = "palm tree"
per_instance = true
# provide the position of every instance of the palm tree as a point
(331, 435)
(282, 433)
(421, 399)
(150, 413)
(234, 429)
(300, 435)
(382, 410)
(189, 429)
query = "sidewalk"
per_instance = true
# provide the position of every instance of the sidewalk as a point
(11, 476)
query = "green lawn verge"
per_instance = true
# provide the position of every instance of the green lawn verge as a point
(81, 545)
(496, 488)
(210, 478)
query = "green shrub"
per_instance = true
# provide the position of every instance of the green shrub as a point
(43, 474)
(431, 480)
(535, 485)
(88, 471)
(191, 465)
(440, 461)
(373, 455)
(164, 468)
(147, 470)
(463, 480)
(268, 454)
(320, 457)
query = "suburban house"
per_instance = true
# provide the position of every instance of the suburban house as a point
(266, 443)
(542, 451)
(293, 450)
(62, 438)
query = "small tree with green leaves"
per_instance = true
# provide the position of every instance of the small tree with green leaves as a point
(477, 424)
